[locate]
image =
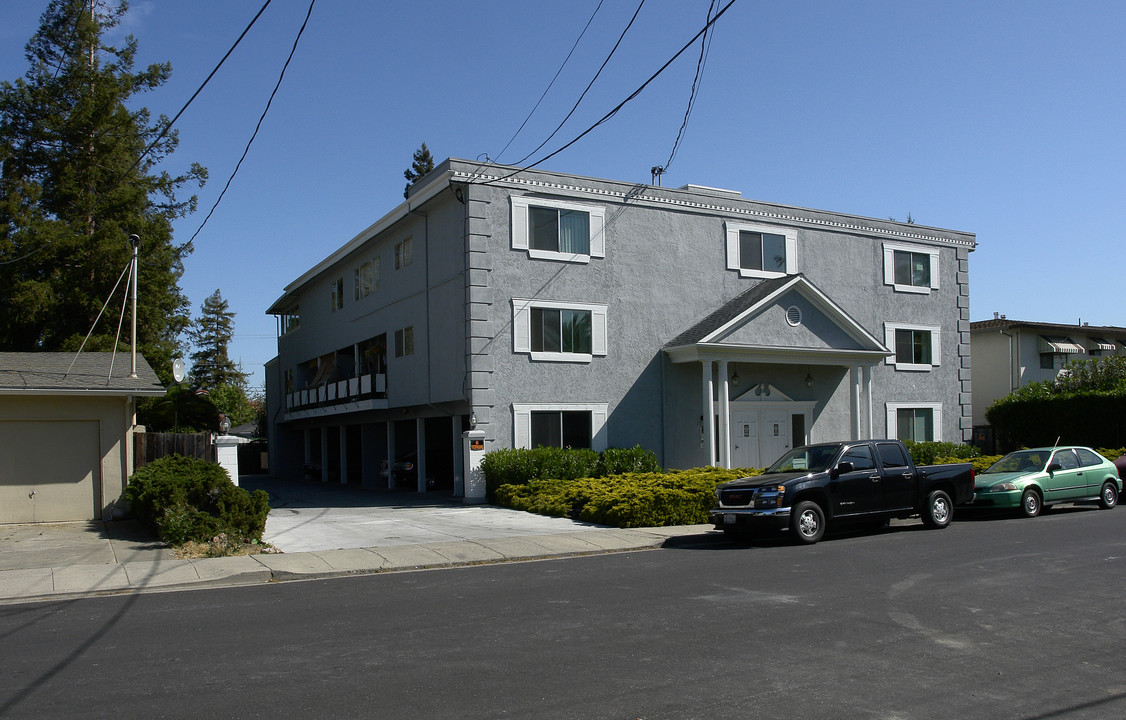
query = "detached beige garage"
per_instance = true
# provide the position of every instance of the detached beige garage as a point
(66, 433)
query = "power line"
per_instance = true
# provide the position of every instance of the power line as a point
(705, 46)
(620, 105)
(600, 69)
(260, 119)
(550, 84)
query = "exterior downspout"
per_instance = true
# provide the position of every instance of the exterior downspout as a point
(1012, 369)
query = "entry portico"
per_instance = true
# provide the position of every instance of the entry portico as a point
(759, 352)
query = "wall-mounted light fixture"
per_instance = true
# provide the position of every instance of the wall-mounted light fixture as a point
(735, 378)
(808, 380)
(472, 421)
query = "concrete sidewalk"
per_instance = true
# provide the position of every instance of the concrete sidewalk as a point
(339, 531)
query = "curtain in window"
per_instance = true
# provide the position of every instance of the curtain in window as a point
(574, 232)
(915, 424)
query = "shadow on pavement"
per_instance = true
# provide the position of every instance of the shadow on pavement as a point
(310, 493)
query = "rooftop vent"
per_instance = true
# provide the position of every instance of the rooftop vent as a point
(704, 189)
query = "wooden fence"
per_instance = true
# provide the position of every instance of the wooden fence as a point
(153, 446)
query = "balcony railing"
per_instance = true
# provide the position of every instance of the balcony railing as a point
(339, 392)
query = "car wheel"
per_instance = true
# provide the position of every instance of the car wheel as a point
(807, 522)
(1108, 497)
(1030, 503)
(939, 510)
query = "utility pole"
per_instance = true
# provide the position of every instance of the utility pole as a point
(135, 241)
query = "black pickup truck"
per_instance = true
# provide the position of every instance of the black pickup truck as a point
(866, 481)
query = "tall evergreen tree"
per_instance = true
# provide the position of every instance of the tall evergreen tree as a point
(75, 182)
(422, 164)
(211, 334)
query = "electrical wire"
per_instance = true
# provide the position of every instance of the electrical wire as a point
(583, 95)
(620, 105)
(550, 84)
(705, 47)
(260, 119)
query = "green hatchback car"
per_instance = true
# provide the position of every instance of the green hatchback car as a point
(1031, 480)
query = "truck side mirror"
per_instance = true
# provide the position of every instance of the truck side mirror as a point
(844, 467)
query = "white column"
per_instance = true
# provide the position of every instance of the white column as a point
(390, 453)
(369, 463)
(709, 411)
(308, 446)
(343, 454)
(459, 461)
(324, 453)
(854, 402)
(420, 443)
(724, 416)
(868, 399)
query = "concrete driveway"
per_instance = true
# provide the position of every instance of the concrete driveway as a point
(309, 516)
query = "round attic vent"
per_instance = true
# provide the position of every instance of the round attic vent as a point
(793, 315)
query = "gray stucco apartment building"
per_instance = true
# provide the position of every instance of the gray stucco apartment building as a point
(553, 309)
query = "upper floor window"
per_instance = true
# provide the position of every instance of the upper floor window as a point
(1098, 347)
(1055, 351)
(290, 320)
(559, 331)
(337, 294)
(919, 422)
(404, 252)
(760, 251)
(366, 278)
(558, 230)
(916, 347)
(910, 268)
(404, 341)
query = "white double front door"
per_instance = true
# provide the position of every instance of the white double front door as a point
(759, 436)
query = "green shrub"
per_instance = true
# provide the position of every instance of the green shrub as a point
(518, 466)
(616, 461)
(184, 499)
(981, 463)
(926, 453)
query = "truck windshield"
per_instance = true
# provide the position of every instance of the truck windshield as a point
(808, 458)
(1020, 461)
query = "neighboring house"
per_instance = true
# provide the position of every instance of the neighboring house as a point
(552, 309)
(66, 433)
(1008, 354)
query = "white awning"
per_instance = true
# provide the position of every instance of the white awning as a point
(1104, 345)
(1059, 344)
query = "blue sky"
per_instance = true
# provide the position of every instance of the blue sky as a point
(1000, 118)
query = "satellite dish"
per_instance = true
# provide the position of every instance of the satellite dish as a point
(178, 370)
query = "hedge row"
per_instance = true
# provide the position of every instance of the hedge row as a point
(187, 499)
(1039, 420)
(519, 466)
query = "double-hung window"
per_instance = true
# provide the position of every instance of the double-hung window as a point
(918, 422)
(366, 278)
(337, 295)
(558, 230)
(404, 341)
(761, 251)
(916, 347)
(575, 425)
(559, 331)
(404, 253)
(911, 268)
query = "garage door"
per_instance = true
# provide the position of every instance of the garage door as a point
(49, 470)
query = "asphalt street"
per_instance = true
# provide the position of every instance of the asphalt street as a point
(994, 617)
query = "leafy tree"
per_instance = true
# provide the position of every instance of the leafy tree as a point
(423, 163)
(232, 401)
(211, 334)
(77, 177)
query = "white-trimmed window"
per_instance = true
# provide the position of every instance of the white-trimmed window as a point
(404, 253)
(576, 425)
(761, 251)
(366, 279)
(558, 331)
(910, 268)
(558, 230)
(920, 422)
(916, 347)
(404, 341)
(291, 320)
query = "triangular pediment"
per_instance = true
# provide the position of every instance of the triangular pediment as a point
(792, 321)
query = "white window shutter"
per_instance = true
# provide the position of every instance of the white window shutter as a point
(889, 266)
(519, 224)
(937, 424)
(934, 271)
(889, 343)
(521, 326)
(522, 428)
(598, 332)
(598, 441)
(936, 348)
(791, 253)
(597, 232)
(732, 234)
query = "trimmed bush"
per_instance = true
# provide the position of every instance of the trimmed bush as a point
(518, 466)
(981, 463)
(926, 453)
(616, 461)
(184, 499)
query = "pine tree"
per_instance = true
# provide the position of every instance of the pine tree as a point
(75, 182)
(423, 163)
(211, 334)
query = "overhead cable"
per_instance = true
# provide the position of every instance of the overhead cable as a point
(705, 46)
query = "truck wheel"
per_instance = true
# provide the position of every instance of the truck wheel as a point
(939, 511)
(1108, 498)
(1030, 503)
(807, 522)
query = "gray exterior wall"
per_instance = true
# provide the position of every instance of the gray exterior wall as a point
(664, 269)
